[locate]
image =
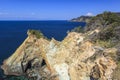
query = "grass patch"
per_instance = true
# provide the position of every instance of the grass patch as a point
(106, 44)
(78, 29)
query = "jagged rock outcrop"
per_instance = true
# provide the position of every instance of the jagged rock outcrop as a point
(72, 59)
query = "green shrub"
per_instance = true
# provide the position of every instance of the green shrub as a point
(110, 17)
(106, 44)
(107, 33)
(78, 29)
(37, 33)
(106, 18)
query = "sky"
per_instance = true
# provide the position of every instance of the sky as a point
(54, 9)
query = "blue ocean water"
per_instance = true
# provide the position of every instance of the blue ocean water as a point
(13, 33)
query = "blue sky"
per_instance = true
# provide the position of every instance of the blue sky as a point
(54, 9)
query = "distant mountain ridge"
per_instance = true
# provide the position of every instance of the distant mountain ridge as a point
(82, 19)
(86, 18)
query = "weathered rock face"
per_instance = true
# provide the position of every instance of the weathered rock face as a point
(75, 58)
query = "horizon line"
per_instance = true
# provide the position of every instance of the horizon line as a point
(37, 20)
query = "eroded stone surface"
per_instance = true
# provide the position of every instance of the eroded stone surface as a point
(75, 58)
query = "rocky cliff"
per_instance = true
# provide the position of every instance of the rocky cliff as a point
(80, 56)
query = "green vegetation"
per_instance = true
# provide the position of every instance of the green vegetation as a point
(106, 18)
(109, 17)
(37, 33)
(105, 44)
(82, 19)
(103, 20)
(78, 29)
(107, 33)
(109, 25)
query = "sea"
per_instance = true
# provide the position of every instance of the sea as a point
(13, 33)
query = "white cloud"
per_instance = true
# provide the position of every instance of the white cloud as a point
(89, 14)
(3, 13)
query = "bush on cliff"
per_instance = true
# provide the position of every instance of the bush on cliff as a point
(109, 25)
(78, 29)
(37, 33)
(102, 20)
